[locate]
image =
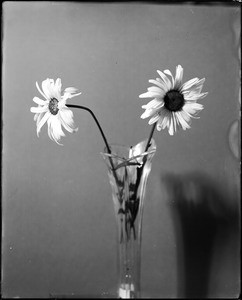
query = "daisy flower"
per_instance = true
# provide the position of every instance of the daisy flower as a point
(174, 103)
(53, 110)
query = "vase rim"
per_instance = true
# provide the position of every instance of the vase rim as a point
(130, 158)
(126, 147)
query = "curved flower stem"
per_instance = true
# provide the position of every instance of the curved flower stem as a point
(96, 120)
(101, 131)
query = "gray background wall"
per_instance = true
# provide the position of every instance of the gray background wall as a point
(58, 222)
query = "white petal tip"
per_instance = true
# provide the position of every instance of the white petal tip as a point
(58, 143)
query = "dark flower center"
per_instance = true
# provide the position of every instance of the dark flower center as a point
(174, 100)
(53, 106)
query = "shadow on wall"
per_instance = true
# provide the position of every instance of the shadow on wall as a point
(206, 221)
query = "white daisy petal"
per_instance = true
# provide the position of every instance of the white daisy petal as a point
(155, 103)
(40, 101)
(41, 91)
(75, 95)
(42, 121)
(185, 116)
(67, 121)
(182, 122)
(174, 120)
(197, 87)
(159, 84)
(68, 95)
(150, 95)
(39, 117)
(57, 127)
(190, 115)
(67, 115)
(193, 107)
(148, 113)
(155, 89)
(58, 85)
(203, 95)
(165, 122)
(49, 127)
(145, 95)
(39, 109)
(71, 90)
(179, 76)
(62, 104)
(195, 97)
(67, 127)
(47, 89)
(190, 112)
(55, 131)
(168, 72)
(36, 117)
(200, 81)
(189, 84)
(154, 119)
(158, 127)
(55, 88)
(171, 127)
(165, 79)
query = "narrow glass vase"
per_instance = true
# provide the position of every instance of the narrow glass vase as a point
(128, 170)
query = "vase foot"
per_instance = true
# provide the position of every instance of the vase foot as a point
(126, 291)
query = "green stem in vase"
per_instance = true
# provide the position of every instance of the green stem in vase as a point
(139, 173)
